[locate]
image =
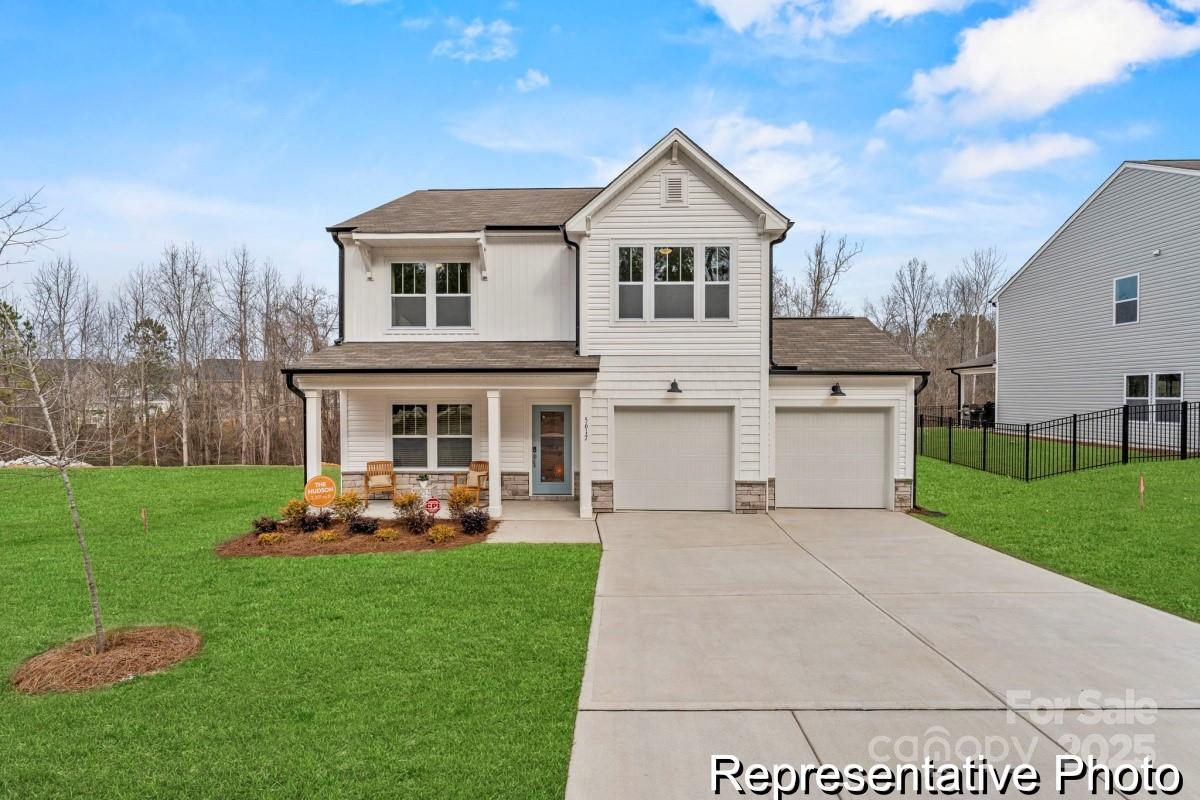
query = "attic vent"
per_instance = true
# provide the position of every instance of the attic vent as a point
(674, 189)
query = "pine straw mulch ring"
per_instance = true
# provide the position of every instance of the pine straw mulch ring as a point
(76, 667)
(297, 543)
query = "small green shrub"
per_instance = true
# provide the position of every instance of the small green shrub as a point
(387, 534)
(326, 536)
(418, 521)
(266, 525)
(441, 532)
(347, 506)
(270, 538)
(362, 525)
(406, 502)
(459, 500)
(474, 521)
(293, 511)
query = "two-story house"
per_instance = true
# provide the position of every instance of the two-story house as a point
(612, 344)
(1105, 312)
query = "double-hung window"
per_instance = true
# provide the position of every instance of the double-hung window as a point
(674, 282)
(410, 436)
(716, 282)
(453, 295)
(1154, 397)
(446, 444)
(630, 283)
(408, 295)
(454, 436)
(1126, 292)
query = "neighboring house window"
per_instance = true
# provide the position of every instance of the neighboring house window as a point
(674, 282)
(453, 295)
(1154, 397)
(454, 436)
(630, 281)
(716, 283)
(408, 295)
(1125, 299)
(410, 436)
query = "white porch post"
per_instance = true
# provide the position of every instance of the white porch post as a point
(495, 482)
(312, 434)
(585, 454)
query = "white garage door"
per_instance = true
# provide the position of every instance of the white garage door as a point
(673, 459)
(831, 458)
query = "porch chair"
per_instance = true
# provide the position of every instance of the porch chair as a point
(476, 479)
(380, 477)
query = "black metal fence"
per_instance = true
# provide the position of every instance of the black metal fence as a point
(1158, 432)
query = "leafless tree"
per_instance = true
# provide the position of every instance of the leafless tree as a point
(828, 261)
(787, 296)
(238, 288)
(24, 229)
(909, 304)
(181, 292)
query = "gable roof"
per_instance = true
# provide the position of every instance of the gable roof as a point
(820, 345)
(1177, 166)
(457, 210)
(773, 219)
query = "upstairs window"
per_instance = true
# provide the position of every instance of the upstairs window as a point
(630, 280)
(408, 296)
(674, 282)
(453, 295)
(716, 283)
(1125, 300)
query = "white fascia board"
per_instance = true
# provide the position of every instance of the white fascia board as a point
(466, 237)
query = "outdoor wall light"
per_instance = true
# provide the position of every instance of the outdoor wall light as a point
(836, 391)
(674, 388)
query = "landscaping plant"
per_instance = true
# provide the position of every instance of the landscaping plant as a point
(308, 523)
(406, 502)
(363, 525)
(293, 511)
(266, 525)
(387, 534)
(270, 538)
(418, 521)
(326, 536)
(324, 519)
(459, 500)
(474, 521)
(348, 506)
(441, 532)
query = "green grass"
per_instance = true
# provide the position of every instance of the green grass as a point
(452, 674)
(1086, 525)
(1006, 452)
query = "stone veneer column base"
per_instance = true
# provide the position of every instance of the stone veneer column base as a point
(514, 485)
(904, 494)
(770, 493)
(750, 497)
(602, 496)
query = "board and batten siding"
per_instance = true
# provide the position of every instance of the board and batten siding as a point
(720, 363)
(529, 294)
(1058, 351)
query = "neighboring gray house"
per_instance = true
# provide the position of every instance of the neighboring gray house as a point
(1107, 311)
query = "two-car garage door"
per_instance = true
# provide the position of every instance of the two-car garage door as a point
(831, 458)
(673, 459)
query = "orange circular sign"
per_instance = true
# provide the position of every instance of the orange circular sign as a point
(320, 491)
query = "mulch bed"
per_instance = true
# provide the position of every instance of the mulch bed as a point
(296, 543)
(76, 667)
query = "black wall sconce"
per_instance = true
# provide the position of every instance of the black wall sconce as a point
(674, 388)
(836, 391)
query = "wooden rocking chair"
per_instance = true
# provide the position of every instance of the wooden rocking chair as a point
(476, 479)
(380, 477)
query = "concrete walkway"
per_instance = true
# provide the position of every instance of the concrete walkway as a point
(849, 636)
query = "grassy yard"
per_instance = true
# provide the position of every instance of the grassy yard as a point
(1086, 525)
(449, 674)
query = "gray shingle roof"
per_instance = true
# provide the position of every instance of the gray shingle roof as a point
(471, 356)
(454, 210)
(985, 360)
(837, 344)
(1178, 163)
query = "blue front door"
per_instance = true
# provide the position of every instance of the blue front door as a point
(552, 450)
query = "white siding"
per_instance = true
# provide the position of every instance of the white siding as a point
(1058, 351)
(529, 294)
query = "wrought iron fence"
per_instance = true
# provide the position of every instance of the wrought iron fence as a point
(1029, 451)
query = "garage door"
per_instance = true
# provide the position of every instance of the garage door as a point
(831, 458)
(673, 459)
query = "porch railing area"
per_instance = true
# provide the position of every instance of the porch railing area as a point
(1030, 451)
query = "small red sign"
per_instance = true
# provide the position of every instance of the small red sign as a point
(433, 505)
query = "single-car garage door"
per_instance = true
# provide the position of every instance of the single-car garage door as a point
(671, 459)
(831, 458)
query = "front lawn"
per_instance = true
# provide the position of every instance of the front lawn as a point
(442, 674)
(1086, 525)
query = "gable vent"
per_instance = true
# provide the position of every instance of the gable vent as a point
(674, 189)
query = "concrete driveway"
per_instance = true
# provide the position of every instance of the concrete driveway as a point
(855, 636)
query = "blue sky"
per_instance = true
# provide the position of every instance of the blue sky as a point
(920, 127)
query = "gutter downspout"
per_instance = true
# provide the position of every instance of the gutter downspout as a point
(919, 389)
(578, 295)
(771, 296)
(289, 380)
(341, 288)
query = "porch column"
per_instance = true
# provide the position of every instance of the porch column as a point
(312, 434)
(585, 454)
(495, 481)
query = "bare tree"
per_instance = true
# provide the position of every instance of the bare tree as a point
(24, 229)
(909, 304)
(238, 285)
(181, 295)
(787, 296)
(981, 274)
(828, 261)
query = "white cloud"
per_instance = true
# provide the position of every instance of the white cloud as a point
(985, 159)
(773, 159)
(818, 18)
(478, 41)
(1025, 64)
(532, 79)
(874, 146)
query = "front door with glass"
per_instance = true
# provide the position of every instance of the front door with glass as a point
(552, 471)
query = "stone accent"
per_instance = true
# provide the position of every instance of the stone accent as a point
(514, 485)
(751, 497)
(440, 484)
(904, 494)
(770, 492)
(352, 482)
(602, 496)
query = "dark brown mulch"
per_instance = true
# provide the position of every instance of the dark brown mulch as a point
(76, 667)
(301, 544)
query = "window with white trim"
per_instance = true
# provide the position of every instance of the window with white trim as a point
(408, 295)
(674, 282)
(630, 282)
(453, 436)
(410, 436)
(716, 282)
(447, 444)
(1126, 292)
(1154, 397)
(453, 293)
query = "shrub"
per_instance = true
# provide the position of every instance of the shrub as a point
(266, 525)
(270, 538)
(387, 534)
(348, 505)
(324, 519)
(459, 500)
(406, 502)
(417, 521)
(362, 525)
(308, 523)
(474, 521)
(294, 511)
(326, 536)
(441, 533)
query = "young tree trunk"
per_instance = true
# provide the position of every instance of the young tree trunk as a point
(93, 590)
